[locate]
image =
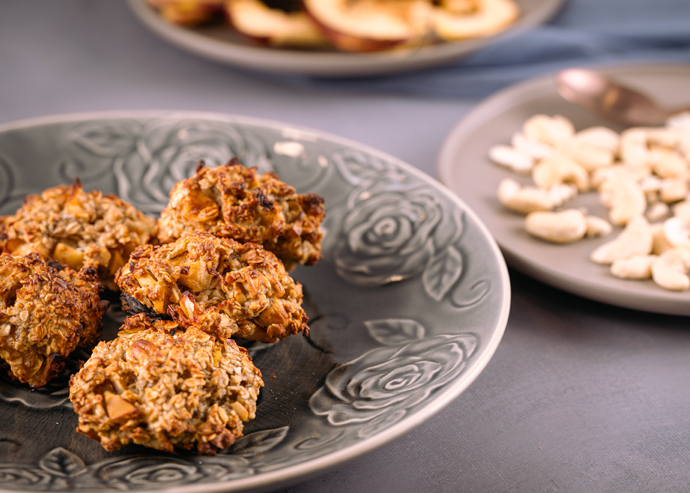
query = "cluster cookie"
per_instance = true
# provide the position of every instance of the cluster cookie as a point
(46, 312)
(214, 267)
(165, 387)
(233, 289)
(236, 202)
(77, 228)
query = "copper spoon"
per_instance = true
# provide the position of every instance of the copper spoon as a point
(604, 97)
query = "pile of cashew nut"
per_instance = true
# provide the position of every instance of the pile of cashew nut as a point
(642, 176)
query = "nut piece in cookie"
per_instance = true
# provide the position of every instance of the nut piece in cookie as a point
(228, 288)
(235, 202)
(77, 228)
(165, 388)
(46, 312)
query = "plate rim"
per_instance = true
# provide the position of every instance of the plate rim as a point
(313, 467)
(655, 302)
(320, 64)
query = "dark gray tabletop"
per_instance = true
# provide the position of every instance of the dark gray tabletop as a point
(579, 396)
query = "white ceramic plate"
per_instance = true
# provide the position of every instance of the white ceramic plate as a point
(221, 44)
(406, 308)
(465, 168)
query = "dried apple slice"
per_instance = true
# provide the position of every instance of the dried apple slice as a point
(186, 12)
(259, 22)
(455, 19)
(370, 25)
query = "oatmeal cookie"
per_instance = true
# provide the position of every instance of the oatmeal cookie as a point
(166, 388)
(46, 312)
(235, 202)
(227, 287)
(77, 228)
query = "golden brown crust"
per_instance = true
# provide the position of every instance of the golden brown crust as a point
(77, 228)
(226, 287)
(165, 388)
(46, 312)
(235, 202)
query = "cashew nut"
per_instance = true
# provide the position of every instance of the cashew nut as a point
(667, 163)
(669, 270)
(531, 147)
(657, 211)
(624, 198)
(597, 226)
(680, 121)
(634, 173)
(557, 169)
(511, 158)
(523, 199)
(673, 190)
(677, 232)
(587, 155)
(601, 137)
(530, 199)
(557, 227)
(659, 242)
(550, 130)
(682, 210)
(633, 146)
(637, 267)
(663, 137)
(635, 239)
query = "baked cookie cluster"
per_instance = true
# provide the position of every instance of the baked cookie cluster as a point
(213, 268)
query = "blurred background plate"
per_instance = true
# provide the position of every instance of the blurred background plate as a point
(465, 168)
(406, 308)
(222, 44)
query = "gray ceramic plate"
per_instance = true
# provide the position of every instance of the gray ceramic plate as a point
(406, 308)
(222, 44)
(465, 168)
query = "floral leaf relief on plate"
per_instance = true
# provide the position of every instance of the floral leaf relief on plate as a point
(258, 443)
(442, 272)
(148, 472)
(62, 470)
(392, 331)
(109, 139)
(62, 462)
(383, 385)
(467, 295)
(27, 476)
(358, 167)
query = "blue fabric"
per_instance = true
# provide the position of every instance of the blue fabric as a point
(585, 32)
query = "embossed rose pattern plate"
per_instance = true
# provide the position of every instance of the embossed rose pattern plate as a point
(222, 44)
(465, 168)
(406, 308)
